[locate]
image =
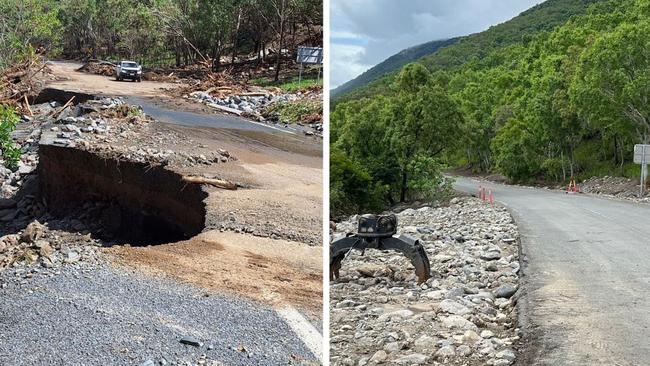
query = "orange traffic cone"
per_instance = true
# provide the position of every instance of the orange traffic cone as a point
(573, 187)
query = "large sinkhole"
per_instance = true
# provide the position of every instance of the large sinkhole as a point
(121, 201)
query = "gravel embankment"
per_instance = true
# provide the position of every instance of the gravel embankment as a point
(464, 315)
(615, 187)
(95, 314)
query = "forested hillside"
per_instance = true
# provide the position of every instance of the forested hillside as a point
(569, 102)
(540, 18)
(392, 63)
(159, 32)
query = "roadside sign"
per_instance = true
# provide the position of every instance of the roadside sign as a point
(642, 156)
(310, 55)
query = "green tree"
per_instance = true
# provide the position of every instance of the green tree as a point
(423, 120)
(352, 189)
(613, 79)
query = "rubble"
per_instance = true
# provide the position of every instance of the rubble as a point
(618, 187)
(464, 315)
(98, 68)
(249, 104)
(39, 249)
(258, 105)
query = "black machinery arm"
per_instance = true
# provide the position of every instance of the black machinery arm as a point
(410, 247)
(413, 250)
(338, 249)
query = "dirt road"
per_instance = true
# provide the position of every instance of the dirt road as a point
(69, 79)
(585, 276)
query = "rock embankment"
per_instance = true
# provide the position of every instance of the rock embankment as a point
(618, 187)
(464, 315)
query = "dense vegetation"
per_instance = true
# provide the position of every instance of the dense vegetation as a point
(391, 64)
(386, 149)
(157, 32)
(540, 18)
(570, 102)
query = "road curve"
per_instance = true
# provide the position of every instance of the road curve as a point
(586, 276)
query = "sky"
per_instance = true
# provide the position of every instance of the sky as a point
(366, 32)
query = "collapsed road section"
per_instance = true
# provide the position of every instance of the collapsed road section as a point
(84, 167)
(140, 202)
(98, 172)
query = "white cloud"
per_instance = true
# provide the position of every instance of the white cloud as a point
(345, 63)
(385, 27)
(345, 34)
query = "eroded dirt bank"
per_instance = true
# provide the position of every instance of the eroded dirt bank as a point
(144, 204)
(119, 176)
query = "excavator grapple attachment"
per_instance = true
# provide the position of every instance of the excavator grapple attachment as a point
(377, 232)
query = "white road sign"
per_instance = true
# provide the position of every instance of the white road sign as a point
(642, 154)
(310, 55)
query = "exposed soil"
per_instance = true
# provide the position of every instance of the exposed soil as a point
(262, 269)
(68, 78)
(147, 203)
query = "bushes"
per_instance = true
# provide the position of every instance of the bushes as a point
(427, 181)
(10, 152)
(393, 145)
(299, 111)
(351, 187)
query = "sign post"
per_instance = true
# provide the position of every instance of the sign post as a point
(642, 156)
(309, 55)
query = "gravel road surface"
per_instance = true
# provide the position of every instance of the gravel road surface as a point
(586, 276)
(99, 315)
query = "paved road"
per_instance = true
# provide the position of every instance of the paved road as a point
(98, 315)
(205, 120)
(586, 298)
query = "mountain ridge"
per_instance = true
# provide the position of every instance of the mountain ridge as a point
(540, 18)
(392, 63)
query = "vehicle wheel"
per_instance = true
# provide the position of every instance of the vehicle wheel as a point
(139, 80)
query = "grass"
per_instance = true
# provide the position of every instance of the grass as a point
(289, 85)
(299, 111)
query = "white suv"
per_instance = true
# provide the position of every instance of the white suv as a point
(128, 70)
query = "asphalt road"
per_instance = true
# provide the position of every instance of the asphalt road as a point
(137, 93)
(224, 121)
(98, 315)
(586, 280)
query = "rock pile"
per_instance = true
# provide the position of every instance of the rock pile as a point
(619, 187)
(39, 247)
(258, 106)
(252, 105)
(464, 315)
